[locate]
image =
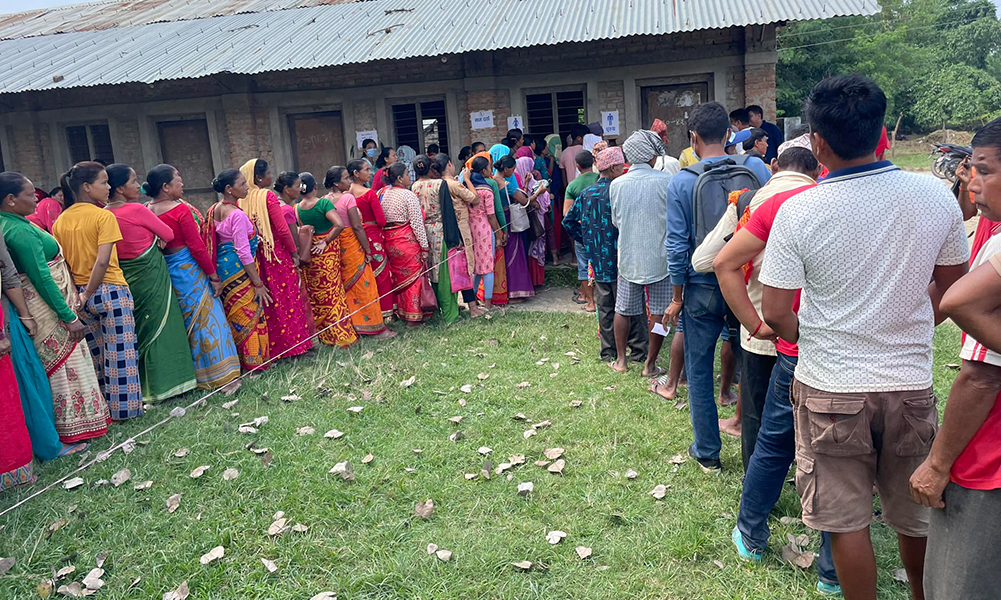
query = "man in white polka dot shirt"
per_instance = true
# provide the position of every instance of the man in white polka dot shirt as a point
(863, 246)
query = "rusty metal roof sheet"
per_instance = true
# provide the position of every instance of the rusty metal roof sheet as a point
(112, 52)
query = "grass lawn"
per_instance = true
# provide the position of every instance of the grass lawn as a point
(363, 538)
(913, 161)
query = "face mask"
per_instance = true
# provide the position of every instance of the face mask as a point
(371, 153)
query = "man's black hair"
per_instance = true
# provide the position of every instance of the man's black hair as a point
(798, 159)
(710, 121)
(741, 115)
(584, 160)
(847, 111)
(579, 131)
(989, 136)
(798, 130)
(754, 108)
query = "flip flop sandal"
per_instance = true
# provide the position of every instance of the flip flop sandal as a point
(73, 449)
(656, 374)
(577, 299)
(653, 390)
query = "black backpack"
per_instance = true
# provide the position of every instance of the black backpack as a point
(711, 193)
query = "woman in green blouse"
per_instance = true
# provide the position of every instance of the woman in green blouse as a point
(81, 412)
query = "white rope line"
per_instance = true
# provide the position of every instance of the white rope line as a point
(104, 455)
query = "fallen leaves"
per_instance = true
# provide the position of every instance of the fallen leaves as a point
(344, 470)
(230, 474)
(73, 483)
(523, 384)
(659, 491)
(181, 452)
(524, 565)
(305, 430)
(173, 502)
(583, 552)
(356, 409)
(121, 477)
(557, 467)
(553, 453)
(444, 555)
(678, 459)
(456, 435)
(198, 472)
(230, 404)
(455, 420)
(144, 485)
(93, 579)
(325, 596)
(555, 537)
(5, 565)
(368, 458)
(542, 424)
(483, 376)
(466, 389)
(484, 450)
(333, 434)
(181, 593)
(526, 488)
(408, 382)
(65, 571)
(278, 527)
(631, 474)
(270, 565)
(794, 554)
(75, 590)
(900, 575)
(575, 403)
(529, 433)
(212, 555)
(424, 509)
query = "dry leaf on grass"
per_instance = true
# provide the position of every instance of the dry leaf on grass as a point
(794, 554)
(173, 502)
(541, 463)
(305, 430)
(356, 409)
(462, 401)
(144, 485)
(466, 389)
(93, 579)
(344, 470)
(470, 476)
(456, 435)
(555, 537)
(553, 453)
(542, 424)
(516, 459)
(424, 509)
(408, 382)
(523, 384)
(575, 403)
(432, 548)
(444, 555)
(230, 404)
(128, 446)
(520, 417)
(270, 565)
(181, 593)
(266, 459)
(631, 474)
(455, 420)
(526, 488)
(5, 565)
(719, 564)
(790, 520)
(74, 483)
(325, 596)
(659, 491)
(101, 558)
(557, 467)
(333, 434)
(900, 575)
(63, 572)
(247, 429)
(230, 474)
(300, 528)
(528, 433)
(200, 471)
(522, 564)
(44, 588)
(484, 450)
(212, 555)
(181, 452)
(368, 458)
(55, 526)
(417, 451)
(291, 397)
(75, 590)
(583, 552)
(483, 376)
(677, 459)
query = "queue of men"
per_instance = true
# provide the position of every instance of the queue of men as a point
(828, 270)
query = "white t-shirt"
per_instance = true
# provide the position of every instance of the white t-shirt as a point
(862, 245)
(972, 349)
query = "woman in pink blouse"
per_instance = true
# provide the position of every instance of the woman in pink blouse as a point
(406, 243)
(165, 366)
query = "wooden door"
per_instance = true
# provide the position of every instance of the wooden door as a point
(185, 144)
(672, 104)
(317, 142)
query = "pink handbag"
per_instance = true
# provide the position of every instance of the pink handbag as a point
(458, 270)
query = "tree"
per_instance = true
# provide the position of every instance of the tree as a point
(959, 95)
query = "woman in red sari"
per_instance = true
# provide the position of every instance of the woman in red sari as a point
(406, 243)
(15, 447)
(288, 316)
(373, 220)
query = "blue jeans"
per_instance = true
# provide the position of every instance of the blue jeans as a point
(704, 313)
(582, 259)
(769, 466)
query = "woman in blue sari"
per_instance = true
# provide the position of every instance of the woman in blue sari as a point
(519, 279)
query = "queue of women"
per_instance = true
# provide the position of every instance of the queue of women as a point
(118, 293)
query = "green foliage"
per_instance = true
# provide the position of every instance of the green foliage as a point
(938, 61)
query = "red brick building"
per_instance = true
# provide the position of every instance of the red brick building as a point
(208, 84)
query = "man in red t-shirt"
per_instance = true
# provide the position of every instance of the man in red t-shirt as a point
(962, 474)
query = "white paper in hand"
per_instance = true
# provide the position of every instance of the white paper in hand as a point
(658, 328)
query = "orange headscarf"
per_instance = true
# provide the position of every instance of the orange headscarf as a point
(484, 154)
(256, 207)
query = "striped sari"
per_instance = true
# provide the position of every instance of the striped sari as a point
(244, 313)
(165, 366)
(210, 340)
(326, 295)
(360, 287)
(79, 408)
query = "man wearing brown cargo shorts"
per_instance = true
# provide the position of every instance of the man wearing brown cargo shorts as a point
(863, 245)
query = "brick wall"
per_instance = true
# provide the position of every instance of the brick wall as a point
(734, 87)
(612, 96)
(127, 147)
(31, 153)
(498, 101)
(365, 118)
(759, 88)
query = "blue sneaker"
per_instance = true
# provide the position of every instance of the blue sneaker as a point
(742, 551)
(827, 589)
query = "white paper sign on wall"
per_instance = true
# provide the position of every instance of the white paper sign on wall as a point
(610, 122)
(483, 119)
(516, 122)
(366, 135)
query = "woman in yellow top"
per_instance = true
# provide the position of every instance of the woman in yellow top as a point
(87, 234)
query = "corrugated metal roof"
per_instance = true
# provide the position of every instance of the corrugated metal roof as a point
(130, 13)
(360, 32)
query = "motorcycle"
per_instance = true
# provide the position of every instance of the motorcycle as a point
(946, 158)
